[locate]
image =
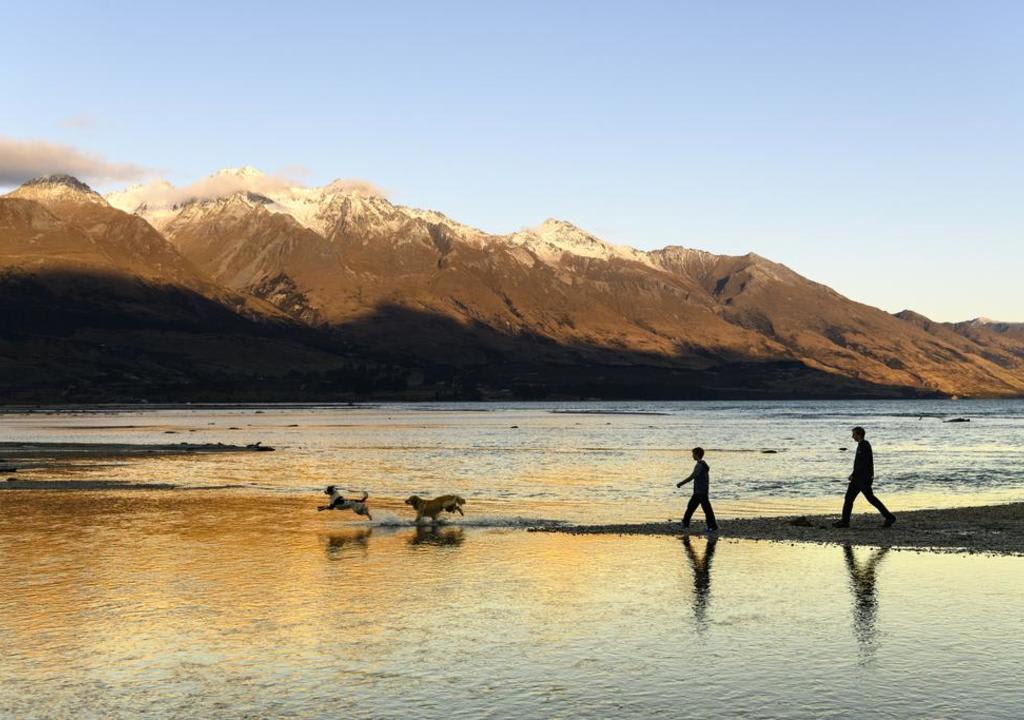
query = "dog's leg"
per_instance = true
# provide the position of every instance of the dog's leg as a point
(321, 508)
(460, 511)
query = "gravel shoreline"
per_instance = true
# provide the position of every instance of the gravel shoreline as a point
(995, 529)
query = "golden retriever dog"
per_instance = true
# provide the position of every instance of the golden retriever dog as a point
(433, 508)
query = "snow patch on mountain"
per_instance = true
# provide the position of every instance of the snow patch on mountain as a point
(339, 204)
(556, 238)
(347, 207)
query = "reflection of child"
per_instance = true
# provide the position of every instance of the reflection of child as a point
(701, 487)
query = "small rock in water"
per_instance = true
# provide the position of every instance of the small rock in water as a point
(957, 420)
(842, 449)
(769, 452)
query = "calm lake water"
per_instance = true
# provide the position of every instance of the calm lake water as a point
(248, 603)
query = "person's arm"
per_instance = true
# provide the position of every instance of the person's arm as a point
(686, 479)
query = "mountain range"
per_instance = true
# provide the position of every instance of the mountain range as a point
(268, 291)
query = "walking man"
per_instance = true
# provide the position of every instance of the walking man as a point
(861, 479)
(701, 489)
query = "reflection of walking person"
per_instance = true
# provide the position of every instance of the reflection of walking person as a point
(701, 487)
(701, 578)
(861, 479)
(862, 580)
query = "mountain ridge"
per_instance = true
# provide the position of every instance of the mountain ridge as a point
(452, 301)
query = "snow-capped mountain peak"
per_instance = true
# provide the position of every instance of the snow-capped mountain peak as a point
(350, 208)
(554, 238)
(246, 172)
(59, 188)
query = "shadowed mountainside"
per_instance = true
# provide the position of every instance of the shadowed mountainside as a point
(97, 338)
(242, 298)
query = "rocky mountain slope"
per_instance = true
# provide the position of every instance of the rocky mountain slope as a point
(439, 307)
(97, 305)
(337, 255)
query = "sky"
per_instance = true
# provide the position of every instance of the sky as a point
(876, 147)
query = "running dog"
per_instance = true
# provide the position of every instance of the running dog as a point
(338, 502)
(433, 508)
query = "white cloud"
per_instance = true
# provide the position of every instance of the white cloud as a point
(22, 160)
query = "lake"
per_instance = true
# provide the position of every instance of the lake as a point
(246, 602)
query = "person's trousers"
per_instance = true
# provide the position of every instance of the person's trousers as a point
(855, 488)
(705, 505)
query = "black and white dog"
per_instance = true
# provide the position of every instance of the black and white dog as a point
(338, 502)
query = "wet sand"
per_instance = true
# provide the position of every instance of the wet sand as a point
(20, 456)
(16, 450)
(988, 529)
(72, 485)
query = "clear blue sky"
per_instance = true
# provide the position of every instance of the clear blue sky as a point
(877, 147)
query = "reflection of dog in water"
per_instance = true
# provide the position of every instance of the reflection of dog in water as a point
(433, 508)
(339, 502)
(338, 543)
(429, 535)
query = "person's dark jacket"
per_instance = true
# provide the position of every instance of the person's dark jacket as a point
(864, 463)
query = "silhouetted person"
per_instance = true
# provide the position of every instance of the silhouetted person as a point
(862, 580)
(701, 578)
(701, 477)
(861, 479)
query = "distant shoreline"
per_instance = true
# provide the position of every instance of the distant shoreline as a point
(53, 408)
(997, 529)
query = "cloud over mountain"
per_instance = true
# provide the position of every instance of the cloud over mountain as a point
(225, 183)
(21, 160)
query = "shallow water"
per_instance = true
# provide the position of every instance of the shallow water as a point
(150, 604)
(582, 462)
(249, 603)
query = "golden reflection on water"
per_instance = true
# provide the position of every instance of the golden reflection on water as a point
(227, 604)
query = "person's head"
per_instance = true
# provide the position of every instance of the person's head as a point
(698, 453)
(858, 433)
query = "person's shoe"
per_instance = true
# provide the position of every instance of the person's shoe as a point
(711, 530)
(840, 524)
(889, 521)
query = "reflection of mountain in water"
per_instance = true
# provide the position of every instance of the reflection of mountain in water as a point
(701, 565)
(863, 584)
